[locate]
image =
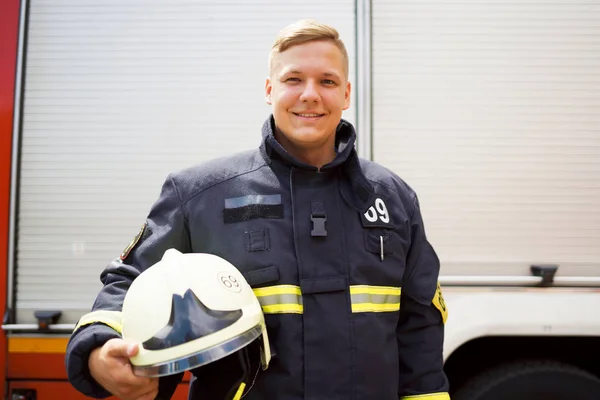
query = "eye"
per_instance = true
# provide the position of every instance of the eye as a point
(328, 82)
(292, 79)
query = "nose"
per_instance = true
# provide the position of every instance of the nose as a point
(310, 92)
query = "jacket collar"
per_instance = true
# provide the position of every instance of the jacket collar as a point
(358, 192)
(345, 138)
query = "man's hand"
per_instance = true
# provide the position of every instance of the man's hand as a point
(110, 367)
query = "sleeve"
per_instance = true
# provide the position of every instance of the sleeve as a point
(420, 330)
(165, 227)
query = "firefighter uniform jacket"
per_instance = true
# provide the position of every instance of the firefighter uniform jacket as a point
(337, 257)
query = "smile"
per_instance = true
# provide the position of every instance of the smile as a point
(308, 115)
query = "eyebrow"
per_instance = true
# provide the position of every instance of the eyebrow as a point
(326, 74)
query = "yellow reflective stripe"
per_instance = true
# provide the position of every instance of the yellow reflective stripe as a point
(274, 290)
(431, 396)
(366, 289)
(283, 309)
(110, 318)
(281, 299)
(367, 298)
(439, 303)
(240, 391)
(370, 307)
(287, 299)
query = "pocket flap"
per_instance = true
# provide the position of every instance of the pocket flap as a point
(262, 276)
(323, 285)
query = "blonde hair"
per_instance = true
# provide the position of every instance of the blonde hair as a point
(305, 31)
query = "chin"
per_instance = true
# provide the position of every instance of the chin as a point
(307, 136)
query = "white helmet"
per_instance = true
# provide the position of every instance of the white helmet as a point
(189, 310)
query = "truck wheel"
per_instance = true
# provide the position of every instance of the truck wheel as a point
(531, 380)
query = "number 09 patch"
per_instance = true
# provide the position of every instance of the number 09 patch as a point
(377, 215)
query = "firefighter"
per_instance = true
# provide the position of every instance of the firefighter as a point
(333, 246)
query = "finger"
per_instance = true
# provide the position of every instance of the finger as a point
(128, 378)
(136, 389)
(149, 395)
(154, 383)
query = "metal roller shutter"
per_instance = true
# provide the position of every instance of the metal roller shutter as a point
(491, 111)
(117, 95)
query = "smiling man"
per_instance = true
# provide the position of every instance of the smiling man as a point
(308, 88)
(334, 247)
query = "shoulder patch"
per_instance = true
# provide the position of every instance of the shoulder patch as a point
(133, 242)
(439, 303)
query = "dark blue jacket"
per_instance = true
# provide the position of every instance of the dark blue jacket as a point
(361, 316)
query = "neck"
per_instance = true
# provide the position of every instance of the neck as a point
(317, 157)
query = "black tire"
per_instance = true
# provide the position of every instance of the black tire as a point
(531, 380)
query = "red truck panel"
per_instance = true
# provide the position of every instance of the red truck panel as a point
(9, 33)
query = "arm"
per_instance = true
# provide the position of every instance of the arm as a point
(165, 227)
(420, 328)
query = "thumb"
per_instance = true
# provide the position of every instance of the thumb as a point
(122, 348)
(132, 349)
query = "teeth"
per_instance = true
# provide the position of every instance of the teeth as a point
(308, 115)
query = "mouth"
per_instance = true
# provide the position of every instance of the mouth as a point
(309, 116)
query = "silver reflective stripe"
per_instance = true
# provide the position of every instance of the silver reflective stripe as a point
(287, 299)
(367, 298)
(281, 299)
(265, 199)
(110, 318)
(375, 298)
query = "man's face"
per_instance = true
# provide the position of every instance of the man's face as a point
(308, 90)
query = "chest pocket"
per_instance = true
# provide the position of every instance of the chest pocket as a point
(385, 257)
(380, 242)
(378, 229)
(380, 259)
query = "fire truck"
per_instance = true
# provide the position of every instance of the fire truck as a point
(489, 109)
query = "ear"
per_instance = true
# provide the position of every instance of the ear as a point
(347, 95)
(268, 91)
